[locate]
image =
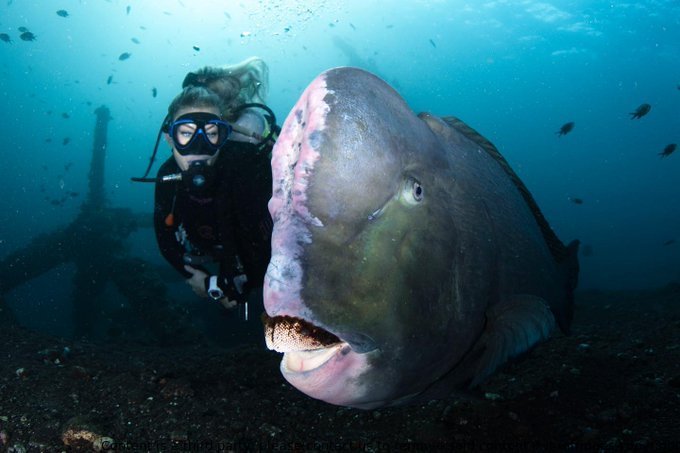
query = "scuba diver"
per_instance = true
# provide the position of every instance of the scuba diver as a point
(211, 218)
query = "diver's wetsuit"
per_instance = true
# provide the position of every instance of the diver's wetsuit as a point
(227, 220)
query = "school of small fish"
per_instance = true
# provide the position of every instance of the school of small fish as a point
(26, 35)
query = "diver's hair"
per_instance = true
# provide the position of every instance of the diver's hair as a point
(244, 82)
(194, 96)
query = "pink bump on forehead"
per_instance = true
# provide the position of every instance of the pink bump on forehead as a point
(293, 160)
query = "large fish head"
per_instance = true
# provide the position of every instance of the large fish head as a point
(360, 291)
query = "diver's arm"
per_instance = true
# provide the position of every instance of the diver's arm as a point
(164, 228)
(230, 267)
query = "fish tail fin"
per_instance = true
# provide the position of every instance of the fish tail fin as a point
(571, 269)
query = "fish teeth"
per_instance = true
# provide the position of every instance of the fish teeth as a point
(288, 334)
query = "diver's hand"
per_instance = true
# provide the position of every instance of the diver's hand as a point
(235, 293)
(226, 303)
(197, 280)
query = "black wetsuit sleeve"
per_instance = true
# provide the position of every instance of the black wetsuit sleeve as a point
(226, 220)
(163, 205)
(253, 224)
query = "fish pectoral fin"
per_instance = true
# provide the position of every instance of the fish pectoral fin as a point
(512, 328)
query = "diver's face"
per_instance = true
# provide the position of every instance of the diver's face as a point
(183, 162)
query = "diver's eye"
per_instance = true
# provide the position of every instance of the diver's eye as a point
(413, 191)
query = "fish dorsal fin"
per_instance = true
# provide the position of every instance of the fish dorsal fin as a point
(557, 248)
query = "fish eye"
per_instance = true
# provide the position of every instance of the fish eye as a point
(413, 191)
(417, 191)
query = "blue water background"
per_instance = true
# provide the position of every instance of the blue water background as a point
(514, 70)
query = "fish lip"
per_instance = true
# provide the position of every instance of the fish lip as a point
(307, 362)
(356, 342)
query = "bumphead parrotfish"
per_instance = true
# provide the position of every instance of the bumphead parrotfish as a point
(408, 260)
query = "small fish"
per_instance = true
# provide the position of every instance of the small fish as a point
(135, 40)
(669, 242)
(389, 26)
(576, 200)
(352, 25)
(154, 92)
(245, 34)
(668, 150)
(65, 115)
(66, 141)
(44, 167)
(124, 56)
(196, 48)
(127, 10)
(27, 36)
(227, 15)
(68, 166)
(142, 27)
(565, 129)
(5, 37)
(22, 29)
(331, 24)
(640, 111)
(433, 44)
(48, 140)
(287, 29)
(62, 13)
(109, 80)
(72, 194)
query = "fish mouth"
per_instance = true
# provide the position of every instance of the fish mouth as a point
(306, 346)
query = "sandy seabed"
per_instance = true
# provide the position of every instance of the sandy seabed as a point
(613, 385)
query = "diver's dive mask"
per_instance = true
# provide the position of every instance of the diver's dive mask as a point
(199, 133)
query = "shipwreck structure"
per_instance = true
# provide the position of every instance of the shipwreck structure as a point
(94, 242)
